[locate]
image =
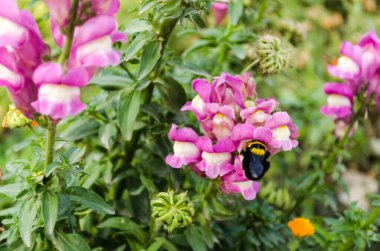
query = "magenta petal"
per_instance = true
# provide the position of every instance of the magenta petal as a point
(224, 145)
(48, 73)
(183, 134)
(205, 144)
(203, 88)
(278, 119)
(262, 134)
(242, 131)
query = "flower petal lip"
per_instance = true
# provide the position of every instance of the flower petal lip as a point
(182, 134)
(52, 73)
(341, 89)
(58, 101)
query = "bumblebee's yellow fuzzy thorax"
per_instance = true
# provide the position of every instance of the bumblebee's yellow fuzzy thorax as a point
(257, 150)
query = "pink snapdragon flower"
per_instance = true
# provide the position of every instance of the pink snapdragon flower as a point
(59, 92)
(185, 147)
(220, 10)
(219, 123)
(284, 132)
(230, 118)
(236, 182)
(216, 158)
(339, 101)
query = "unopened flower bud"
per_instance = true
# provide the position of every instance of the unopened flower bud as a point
(172, 210)
(14, 118)
(273, 56)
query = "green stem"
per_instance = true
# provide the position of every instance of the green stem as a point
(224, 48)
(50, 142)
(373, 216)
(52, 128)
(295, 245)
(327, 164)
(166, 29)
(70, 32)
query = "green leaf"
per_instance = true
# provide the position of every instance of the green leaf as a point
(195, 239)
(90, 200)
(49, 210)
(80, 129)
(51, 167)
(137, 43)
(197, 19)
(106, 133)
(11, 190)
(129, 106)
(111, 82)
(149, 185)
(235, 10)
(137, 25)
(126, 225)
(147, 5)
(172, 93)
(27, 215)
(70, 242)
(149, 58)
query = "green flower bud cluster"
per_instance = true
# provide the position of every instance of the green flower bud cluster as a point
(172, 210)
(14, 118)
(279, 197)
(272, 55)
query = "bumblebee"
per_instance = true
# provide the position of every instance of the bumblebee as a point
(255, 162)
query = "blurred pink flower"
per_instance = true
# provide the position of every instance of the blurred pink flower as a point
(339, 101)
(220, 10)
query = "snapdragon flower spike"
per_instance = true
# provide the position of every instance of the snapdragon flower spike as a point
(339, 101)
(236, 182)
(59, 92)
(220, 10)
(258, 114)
(216, 159)
(284, 132)
(185, 147)
(92, 45)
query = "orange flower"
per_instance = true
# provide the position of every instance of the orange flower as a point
(301, 227)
